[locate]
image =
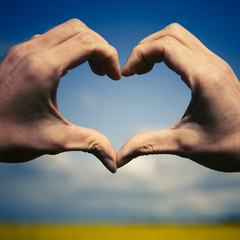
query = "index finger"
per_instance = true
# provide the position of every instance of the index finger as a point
(62, 33)
(178, 32)
(176, 56)
(185, 37)
(81, 48)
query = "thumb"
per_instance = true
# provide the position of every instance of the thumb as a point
(164, 141)
(73, 138)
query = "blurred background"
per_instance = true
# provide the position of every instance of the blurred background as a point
(75, 187)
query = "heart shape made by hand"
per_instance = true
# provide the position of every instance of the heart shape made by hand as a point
(31, 124)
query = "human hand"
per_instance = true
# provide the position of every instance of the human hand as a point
(30, 122)
(209, 132)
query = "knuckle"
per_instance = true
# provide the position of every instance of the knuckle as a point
(146, 149)
(173, 27)
(112, 51)
(31, 66)
(16, 53)
(227, 68)
(86, 39)
(143, 52)
(138, 49)
(36, 36)
(138, 52)
(76, 24)
(141, 42)
(168, 42)
(188, 140)
(140, 146)
(36, 65)
(94, 145)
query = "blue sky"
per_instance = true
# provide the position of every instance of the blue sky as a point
(75, 186)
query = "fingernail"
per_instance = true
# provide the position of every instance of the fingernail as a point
(109, 164)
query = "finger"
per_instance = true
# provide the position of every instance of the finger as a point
(96, 68)
(163, 141)
(35, 36)
(82, 48)
(145, 69)
(73, 138)
(51, 38)
(179, 141)
(178, 32)
(48, 40)
(176, 56)
(65, 31)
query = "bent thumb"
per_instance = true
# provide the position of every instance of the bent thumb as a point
(73, 138)
(155, 142)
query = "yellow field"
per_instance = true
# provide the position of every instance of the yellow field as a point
(115, 232)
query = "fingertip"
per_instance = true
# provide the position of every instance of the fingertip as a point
(122, 158)
(122, 162)
(116, 76)
(108, 156)
(89, 140)
(109, 164)
(126, 72)
(101, 70)
(112, 69)
(100, 74)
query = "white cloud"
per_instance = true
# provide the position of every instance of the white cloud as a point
(163, 187)
(143, 167)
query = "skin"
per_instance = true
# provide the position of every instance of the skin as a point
(209, 131)
(30, 122)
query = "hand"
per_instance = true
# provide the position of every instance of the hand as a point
(209, 132)
(30, 122)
